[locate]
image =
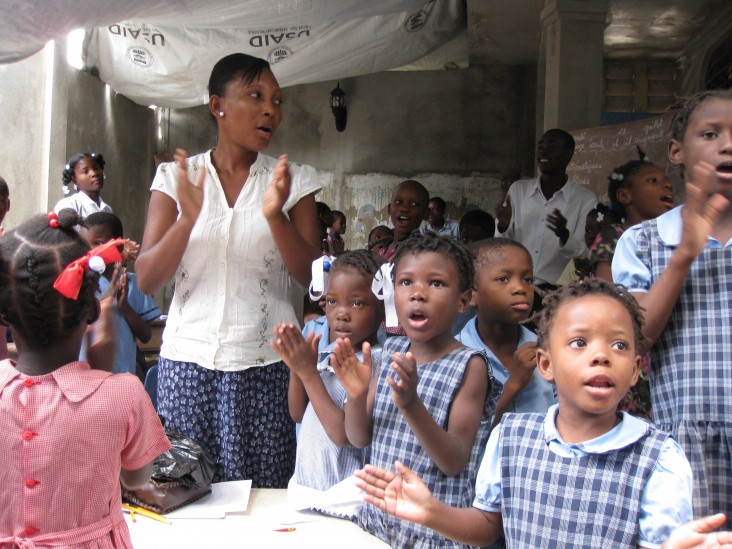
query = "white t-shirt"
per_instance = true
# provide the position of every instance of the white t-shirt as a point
(232, 286)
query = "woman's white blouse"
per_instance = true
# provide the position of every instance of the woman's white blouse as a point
(232, 286)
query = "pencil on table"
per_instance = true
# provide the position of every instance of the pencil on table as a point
(145, 513)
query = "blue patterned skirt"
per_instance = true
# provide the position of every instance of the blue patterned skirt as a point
(241, 418)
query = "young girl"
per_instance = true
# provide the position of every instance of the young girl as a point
(432, 399)
(538, 481)
(678, 267)
(336, 231)
(638, 190)
(86, 172)
(70, 433)
(316, 398)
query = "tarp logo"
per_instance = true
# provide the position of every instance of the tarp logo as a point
(150, 35)
(416, 21)
(278, 54)
(140, 56)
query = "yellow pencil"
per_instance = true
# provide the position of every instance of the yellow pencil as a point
(146, 513)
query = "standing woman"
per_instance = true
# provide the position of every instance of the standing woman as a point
(232, 239)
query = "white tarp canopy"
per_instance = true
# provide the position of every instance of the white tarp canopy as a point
(161, 51)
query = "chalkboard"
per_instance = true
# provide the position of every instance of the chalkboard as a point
(600, 150)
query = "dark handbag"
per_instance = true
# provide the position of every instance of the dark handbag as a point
(180, 476)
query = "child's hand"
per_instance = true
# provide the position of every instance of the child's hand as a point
(557, 223)
(300, 355)
(404, 391)
(698, 534)
(523, 364)
(111, 291)
(354, 375)
(278, 190)
(122, 287)
(702, 209)
(503, 214)
(130, 251)
(190, 195)
(402, 494)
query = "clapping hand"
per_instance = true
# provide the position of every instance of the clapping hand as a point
(557, 223)
(404, 391)
(402, 494)
(299, 354)
(354, 375)
(278, 190)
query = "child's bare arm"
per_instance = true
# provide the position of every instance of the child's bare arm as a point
(450, 450)
(297, 398)
(139, 327)
(300, 355)
(699, 216)
(103, 337)
(355, 376)
(404, 495)
(520, 375)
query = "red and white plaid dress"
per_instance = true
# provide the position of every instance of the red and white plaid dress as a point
(64, 437)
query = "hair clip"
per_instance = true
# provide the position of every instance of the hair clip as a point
(53, 220)
(67, 167)
(383, 288)
(319, 271)
(600, 217)
(615, 176)
(66, 189)
(69, 281)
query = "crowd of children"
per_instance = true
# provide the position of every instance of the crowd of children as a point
(498, 434)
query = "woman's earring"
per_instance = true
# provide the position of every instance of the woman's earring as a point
(221, 113)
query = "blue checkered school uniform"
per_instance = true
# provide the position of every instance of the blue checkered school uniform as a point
(691, 363)
(320, 463)
(551, 501)
(393, 439)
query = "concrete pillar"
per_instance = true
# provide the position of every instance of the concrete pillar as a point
(570, 68)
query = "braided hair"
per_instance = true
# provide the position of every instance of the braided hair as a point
(31, 258)
(684, 108)
(620, 178)
(365, 262)
(450, 248)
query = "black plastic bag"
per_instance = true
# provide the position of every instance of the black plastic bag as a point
(180, 476)
(187, 462)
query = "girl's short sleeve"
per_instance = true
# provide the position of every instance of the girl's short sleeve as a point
(627, 268)
(146, 437)
(488, 481)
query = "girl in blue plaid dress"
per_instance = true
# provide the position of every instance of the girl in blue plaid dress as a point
(432, 400)
(315, 398)
(582, 475)
(679, 267)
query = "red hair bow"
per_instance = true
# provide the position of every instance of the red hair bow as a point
(69, 281)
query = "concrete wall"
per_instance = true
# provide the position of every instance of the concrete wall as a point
(465, 134)
(51, 111)
(21, 134)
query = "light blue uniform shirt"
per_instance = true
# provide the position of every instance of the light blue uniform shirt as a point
(125, 358)
(666, 501)
(537, 396)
